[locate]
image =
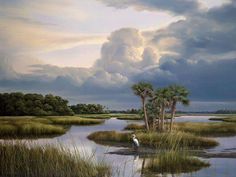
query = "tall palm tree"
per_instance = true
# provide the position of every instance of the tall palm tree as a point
(162, 96)
(143, 90)
(178, 94)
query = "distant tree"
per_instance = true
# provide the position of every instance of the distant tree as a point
(143, 90)
(88, 109)
(19, 104)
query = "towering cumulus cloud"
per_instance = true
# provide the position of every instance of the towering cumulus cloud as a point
(126, 53)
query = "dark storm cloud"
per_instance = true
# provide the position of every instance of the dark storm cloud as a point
(175, 6)
(205, 80)
(203, 36)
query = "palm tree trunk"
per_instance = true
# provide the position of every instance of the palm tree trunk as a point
(145, 114)
(153, 123)
(159, 120)
(162, 117)
(173, 109)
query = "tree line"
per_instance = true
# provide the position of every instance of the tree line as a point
(19, 104)
(89, 109)
(225, 111)
(155, 103)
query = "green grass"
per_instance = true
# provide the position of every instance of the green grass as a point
(37, 127)
(203, 128)
(95, 116)
(231, 119)
(154, 139)
(75, 121)
(128, 116)
(120, 116)
(175, 161)
(207, 129)
(27, 160)
(28, 127)
(135, 127)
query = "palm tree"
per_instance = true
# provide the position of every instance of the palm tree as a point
(178, 94)
(143, 90)
(153, 112)
(162, 96)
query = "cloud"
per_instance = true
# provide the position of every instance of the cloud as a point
(197, 52)
(126, 52)
(174, 6)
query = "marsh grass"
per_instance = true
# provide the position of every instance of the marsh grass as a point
(17, 127)
(75, 121)
(119, 116)
(231, 119)
(128, 116)
(27, 160)
(95, 116)
(36, 127)
(207, 129)
(134, 127)
(202, 129)
(154, 139)
(174, 162)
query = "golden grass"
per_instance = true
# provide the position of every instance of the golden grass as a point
(175, 161)
(27, 160)
(75, 121)
(95, 116)
(36, 127)
(225, 119)
(207, 129)
(198, 128)
(154, 139)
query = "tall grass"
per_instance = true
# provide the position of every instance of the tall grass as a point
(201, 129)
(175, 158)
(95, 116)
(154, 139)
(207, 129)
(128, 116)
(175, 161)
(135, 127)
(29, 129)
(35, 127)
(225, 119)
(75, 121)
(27, 160)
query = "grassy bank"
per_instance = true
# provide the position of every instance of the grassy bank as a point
(75, 121)
(17, 159)
(208, 129)
(175, 162)
(128, 116)
(154, 140)
(134, 127)
(202, 129)
(231, 119)
(95, 116)
(36, 127)
(28, 127)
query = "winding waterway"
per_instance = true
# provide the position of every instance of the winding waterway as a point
(129, 165)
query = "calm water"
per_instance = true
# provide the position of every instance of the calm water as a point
(129, 166)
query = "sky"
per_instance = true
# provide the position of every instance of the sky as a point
(93, 51)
